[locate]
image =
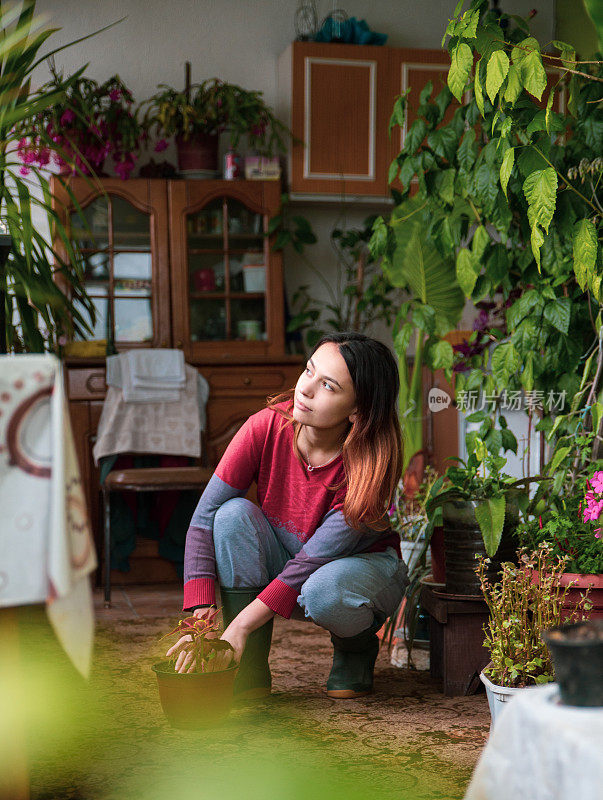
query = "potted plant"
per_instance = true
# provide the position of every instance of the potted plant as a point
(92, 122)
(202, 696)
(197, 115)
(480, 509)
(577, 654)
(36, 313)
(520, 610)
(409, 517)
(570, 532)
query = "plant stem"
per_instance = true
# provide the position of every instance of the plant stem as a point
(567, 183)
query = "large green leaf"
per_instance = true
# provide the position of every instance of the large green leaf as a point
(417, 264)
(460, 67)
(498, 67)
(540, 189)
(585, 251)
(490, 515)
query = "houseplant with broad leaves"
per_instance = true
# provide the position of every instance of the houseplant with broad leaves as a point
(93, 122)
(481, 507)
(42, 295)
(198, 114)
(202, 695)
(521, 608)
(512, 192)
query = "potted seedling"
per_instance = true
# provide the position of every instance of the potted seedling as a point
(520, 610)
(201, 696)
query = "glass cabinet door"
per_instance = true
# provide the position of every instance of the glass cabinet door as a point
(227, 259)
(115, 242)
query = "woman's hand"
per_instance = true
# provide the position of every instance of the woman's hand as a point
(185, 661)
(236, 637)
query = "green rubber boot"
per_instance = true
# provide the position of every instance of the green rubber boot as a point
(253, 679)
(354, 663)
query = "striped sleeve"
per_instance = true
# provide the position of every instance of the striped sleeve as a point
(234, 475)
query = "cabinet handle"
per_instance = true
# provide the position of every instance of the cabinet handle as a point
(246, 381)
(179, 344)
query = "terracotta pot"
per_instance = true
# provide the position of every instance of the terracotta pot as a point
(199, 152)
(197, 699)
(579, 585)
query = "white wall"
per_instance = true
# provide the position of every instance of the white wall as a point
(239, 41)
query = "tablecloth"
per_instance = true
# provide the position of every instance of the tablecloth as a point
(46, 546)
(541, 750)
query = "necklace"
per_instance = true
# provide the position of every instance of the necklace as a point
(309, 466)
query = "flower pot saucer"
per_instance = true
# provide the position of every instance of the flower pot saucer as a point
(427, 580)
(453, 596)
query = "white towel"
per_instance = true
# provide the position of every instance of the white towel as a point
(156, 367)
(148, 376)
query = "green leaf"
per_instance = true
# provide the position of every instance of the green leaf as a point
(479, 243)
(398, 114)
(490, 515)
(467, 151)
(445, 185)
(540, 189)
(549, 107)
(498, 67)
(441, 355)
(465, 271)
(558, 313)
(513, 87)
(506, 168)
(558, 458)
(460, 67)
(506, 361)
(585, 251)
(415, 136)
(533, 74)
(536, 240)
(394, 169)
(478, 91)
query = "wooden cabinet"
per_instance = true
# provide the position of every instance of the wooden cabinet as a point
(227, 284)
(181, 264)
(338, 100)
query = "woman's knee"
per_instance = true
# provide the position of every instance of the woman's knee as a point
(229, 517)
(325, 602)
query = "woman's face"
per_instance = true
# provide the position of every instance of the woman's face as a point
(324, 394)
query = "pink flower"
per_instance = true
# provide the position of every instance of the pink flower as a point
(114, 95)
(597, 533)
(67, 117)
(24, 171)
(593, 508)
(161, 145)
(597, 482)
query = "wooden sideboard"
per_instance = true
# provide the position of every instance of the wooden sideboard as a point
(185, 264)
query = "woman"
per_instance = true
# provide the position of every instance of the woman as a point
(326, 457)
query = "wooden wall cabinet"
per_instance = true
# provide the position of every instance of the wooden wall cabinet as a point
(338, 100)
(165, 265)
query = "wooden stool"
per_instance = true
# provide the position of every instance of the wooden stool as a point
(456, 637)
(152, 479)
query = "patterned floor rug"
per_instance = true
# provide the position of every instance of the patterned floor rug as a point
(405, 741)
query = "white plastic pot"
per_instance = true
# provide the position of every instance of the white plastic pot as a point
(497, 697)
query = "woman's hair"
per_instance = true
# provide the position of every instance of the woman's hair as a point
(372, 450)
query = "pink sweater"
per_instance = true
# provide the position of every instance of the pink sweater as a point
(292, 499)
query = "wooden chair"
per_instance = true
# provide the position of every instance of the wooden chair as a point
(150, 479)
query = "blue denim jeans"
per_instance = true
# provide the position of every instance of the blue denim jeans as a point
(344, 596)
